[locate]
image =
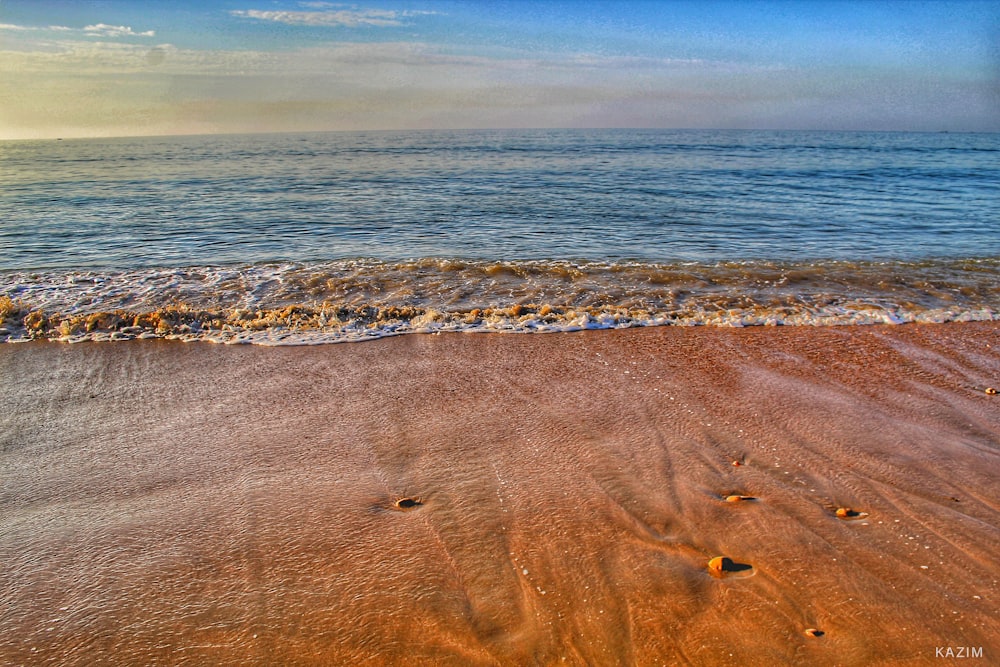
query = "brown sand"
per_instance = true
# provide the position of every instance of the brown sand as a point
(515, 500)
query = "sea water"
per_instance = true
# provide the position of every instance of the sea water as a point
(311, 238)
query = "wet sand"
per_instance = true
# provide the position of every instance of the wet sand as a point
(505, 499)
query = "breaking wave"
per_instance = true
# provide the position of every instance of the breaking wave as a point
(352, 300)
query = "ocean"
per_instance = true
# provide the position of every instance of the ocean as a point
(330, 237)
(691, 489)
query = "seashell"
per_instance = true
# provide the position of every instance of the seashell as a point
(407, 503)
(813, 632)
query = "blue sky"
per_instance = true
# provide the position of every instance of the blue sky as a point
(106, 68)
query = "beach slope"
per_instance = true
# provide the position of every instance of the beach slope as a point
(464, 499)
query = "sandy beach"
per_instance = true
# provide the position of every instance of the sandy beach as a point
(464, 499)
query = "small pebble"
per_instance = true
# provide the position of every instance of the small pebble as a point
(718, 563)
(848, 513)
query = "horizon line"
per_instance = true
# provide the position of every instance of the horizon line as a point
(488, 129)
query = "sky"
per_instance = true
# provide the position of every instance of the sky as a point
(95, 68)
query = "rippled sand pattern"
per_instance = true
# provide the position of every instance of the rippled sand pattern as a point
(514, 500)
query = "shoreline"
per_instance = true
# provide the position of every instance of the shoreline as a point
(352, 300)
(188, 504)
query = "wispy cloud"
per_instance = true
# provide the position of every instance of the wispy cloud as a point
(365, 64)
(105, 30)
(87, 58)
(349, 18)
(96, 30)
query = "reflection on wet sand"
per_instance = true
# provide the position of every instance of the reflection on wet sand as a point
(477, 499)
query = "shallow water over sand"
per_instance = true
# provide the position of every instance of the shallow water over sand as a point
(187, 504)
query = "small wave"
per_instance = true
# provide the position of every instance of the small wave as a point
(308, 325)
(364, 299)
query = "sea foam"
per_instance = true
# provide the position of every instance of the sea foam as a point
(282, 304)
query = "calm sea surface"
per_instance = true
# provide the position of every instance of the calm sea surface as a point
(320, 237)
